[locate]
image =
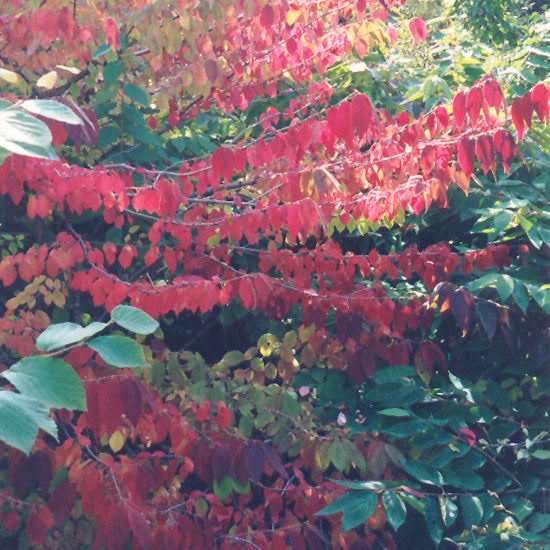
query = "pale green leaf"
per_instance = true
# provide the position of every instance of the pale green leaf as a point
(49, 380)
(65, 334)
(119, 351)
(132, 318)
(51, 109)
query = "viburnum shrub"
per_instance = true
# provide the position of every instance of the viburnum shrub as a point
(351, 281)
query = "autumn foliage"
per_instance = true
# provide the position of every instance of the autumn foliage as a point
(219, 173)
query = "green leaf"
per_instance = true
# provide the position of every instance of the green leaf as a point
(422, 472)
(101, 50)
(112, 71)
(505, 286)
(64, 334)
(338, 456)
(541, 454)
(20, 418)
(107, 135)
(472, 510)
(538, 523)
(521, 508)
(223, 490)
(136, 93)
(132, 318)
(366, 485)
(357, 506)
(521, 297)
(434, 520)
(394, 412)
(119, 351)
(51, 109)
(396, 512)
(49, 380)
(356, 514)
(232, 358)
(24, 134)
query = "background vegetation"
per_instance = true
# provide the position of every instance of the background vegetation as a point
(348, 266)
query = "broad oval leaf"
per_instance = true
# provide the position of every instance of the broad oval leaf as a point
(119, 351)
(132, 318)
(422, 472)
(472, 510)
(64, 334)
(396, 512)
(24, 134)
(51, 109)
(49, 380)
(17, 427)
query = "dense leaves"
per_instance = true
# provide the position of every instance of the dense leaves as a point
(327, 222)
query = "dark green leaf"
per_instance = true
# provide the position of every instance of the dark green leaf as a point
(396, 512)
(422, 472)
(472, 510)
(136, 93)
(538, 523)
(433, 520)
(357, 513)
(112, 71)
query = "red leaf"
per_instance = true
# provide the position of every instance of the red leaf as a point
(459, 109)
(170, 259)
(110, 251)
(117, 529)
(111, 32)
(485, 152)
(462, 306)
(140, 527)
(493, 93)
(473, 103)
(517, 118)
(275, 461)
(540, 98)
(220, 462)
(132, 399)
(505, 148)
(59, 135)
(526, 107)
(254, 458)
(126, 255)
(223, 162)
(466, 151)
(223, 418)
(247, 294)
(173, 115)
(10, 522)
(418, 30)
(202, 412)
(61, 501)
(267, 16)
(361, 114)
(38, 525)
(469, 435)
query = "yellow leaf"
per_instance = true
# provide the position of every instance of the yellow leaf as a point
(72, 70)
(9, 76)
(47, 81)
(292, 16)
(116, 442)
